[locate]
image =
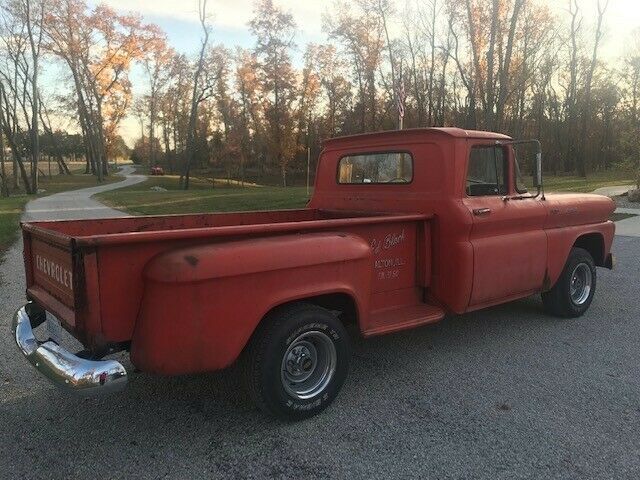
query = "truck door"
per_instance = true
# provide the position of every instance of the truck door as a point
(509, 243)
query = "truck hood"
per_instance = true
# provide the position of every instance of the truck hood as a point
(566, 209)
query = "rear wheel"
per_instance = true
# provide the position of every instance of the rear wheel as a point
(572, 294)
(297, 361)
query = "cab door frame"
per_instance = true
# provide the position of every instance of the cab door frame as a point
(507, 236)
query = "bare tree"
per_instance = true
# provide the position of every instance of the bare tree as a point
(35, 42)
(157, 58)
(274, 30)
(4, 185)
(383, 8)
(582, 161)
(572, 89)
(197, 95)
(63, 169)
(504, 72)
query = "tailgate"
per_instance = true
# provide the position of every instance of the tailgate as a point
(52, 279)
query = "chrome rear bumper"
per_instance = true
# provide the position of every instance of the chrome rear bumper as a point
(63, 368)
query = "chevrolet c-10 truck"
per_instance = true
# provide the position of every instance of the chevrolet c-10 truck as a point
(403, 228)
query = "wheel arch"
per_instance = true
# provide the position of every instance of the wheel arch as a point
(595, 239)
(339, 300)
(594, 244)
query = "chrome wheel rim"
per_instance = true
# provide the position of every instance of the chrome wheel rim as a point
(308, 365)
(581, 283)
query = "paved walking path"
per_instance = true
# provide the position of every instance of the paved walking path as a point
(78, 204)
(613, 191)
(74, 204)
(629, 227)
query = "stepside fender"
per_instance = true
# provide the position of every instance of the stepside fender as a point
(201, 304)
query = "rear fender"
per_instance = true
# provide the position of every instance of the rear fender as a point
(201, 304)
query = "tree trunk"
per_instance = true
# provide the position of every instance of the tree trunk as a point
(503, 89)
(582, 160)
(432, 64)
(488, 113)
(193, 115)
(569, 160)
(4, 187)
(17, 160)
(35, 140)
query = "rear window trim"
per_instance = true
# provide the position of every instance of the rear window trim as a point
(376, 152)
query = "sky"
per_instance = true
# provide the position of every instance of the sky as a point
(229, 18)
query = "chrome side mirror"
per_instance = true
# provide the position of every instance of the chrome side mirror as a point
(539, 171)
(537, 174)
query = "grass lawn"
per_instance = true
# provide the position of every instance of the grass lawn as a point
(11, 208)
(571, 183)
(201, 197)
(10, 212)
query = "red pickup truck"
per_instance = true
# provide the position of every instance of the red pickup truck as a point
(403, 227)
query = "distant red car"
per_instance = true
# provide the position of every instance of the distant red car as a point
(157, 170)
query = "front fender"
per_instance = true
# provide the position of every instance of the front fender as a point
(560, 241)
(201, 304)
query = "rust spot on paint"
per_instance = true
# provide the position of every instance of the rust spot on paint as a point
(191, 260)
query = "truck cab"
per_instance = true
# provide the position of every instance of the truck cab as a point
(403, 228)
(490, 240)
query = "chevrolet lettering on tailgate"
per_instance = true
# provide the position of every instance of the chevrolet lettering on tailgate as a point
(55, 271)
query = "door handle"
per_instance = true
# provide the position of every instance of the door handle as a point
(481, 211)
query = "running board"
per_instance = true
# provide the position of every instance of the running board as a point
(402, 318)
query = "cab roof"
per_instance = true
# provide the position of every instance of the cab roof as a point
(407, 136)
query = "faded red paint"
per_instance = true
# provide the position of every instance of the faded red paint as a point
(189, 290)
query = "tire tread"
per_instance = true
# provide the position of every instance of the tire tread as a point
(254, 356)
(557, 301)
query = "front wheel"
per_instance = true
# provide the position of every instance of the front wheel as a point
(572, 294)
(297, 361)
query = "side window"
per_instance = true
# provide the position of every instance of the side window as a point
(487, 171)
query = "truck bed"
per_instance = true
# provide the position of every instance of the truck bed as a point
(89, 273)
(139, 229)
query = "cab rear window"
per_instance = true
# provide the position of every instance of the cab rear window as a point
(376, 168)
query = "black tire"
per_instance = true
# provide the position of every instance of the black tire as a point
(294, 333)
(559, 300)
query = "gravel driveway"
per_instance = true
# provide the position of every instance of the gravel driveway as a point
(502, 393)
